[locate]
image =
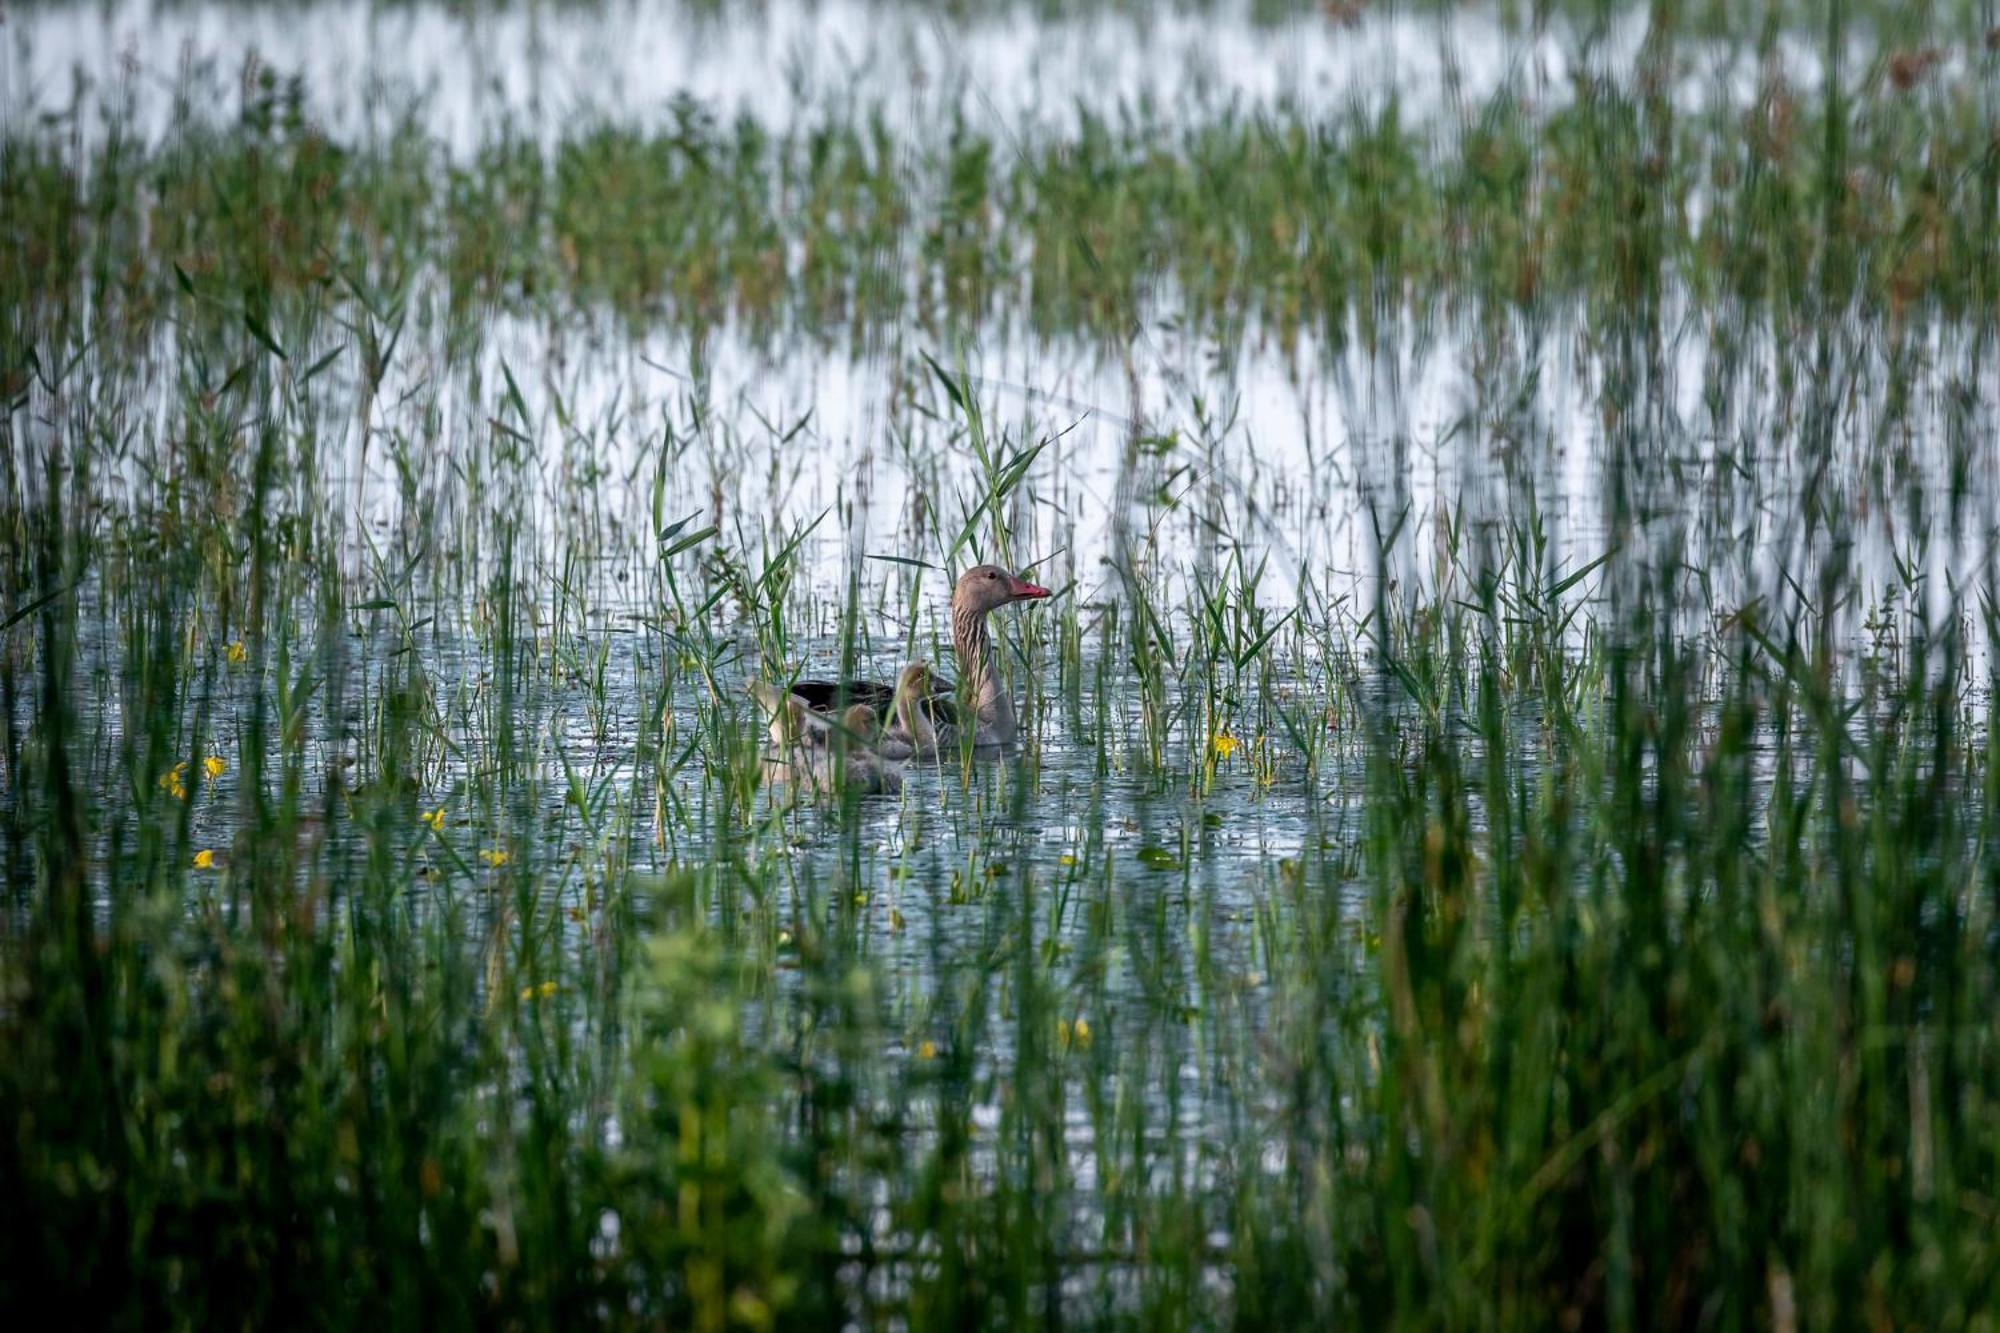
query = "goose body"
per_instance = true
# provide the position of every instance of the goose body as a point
(979, 592)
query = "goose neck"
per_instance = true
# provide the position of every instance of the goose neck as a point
(973, 645)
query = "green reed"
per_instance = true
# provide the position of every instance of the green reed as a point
(844, 228)
(398, 929)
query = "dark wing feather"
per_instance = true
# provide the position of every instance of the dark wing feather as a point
(830, 696)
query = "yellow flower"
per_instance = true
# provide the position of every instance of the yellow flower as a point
(1224, 744)
(237, 653)
(435, 819)
(215, 766)
(174, 781)
(927, 1049)
(1075, 1034)
(494, 857)
(204, 859)
(541, 992)
(1066, 859)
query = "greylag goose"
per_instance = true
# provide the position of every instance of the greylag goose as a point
(912, 732)
(821, 753)
(980, 591)
(853, 754)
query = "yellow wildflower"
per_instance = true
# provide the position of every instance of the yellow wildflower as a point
(1075, 1034)
(494, 857)
(1066, 859)
(541, 992)
(204, 859)
(927, 1049)
(237, 653)
(1224, 744)
(174, 781)
(215, 766)
(435, 819)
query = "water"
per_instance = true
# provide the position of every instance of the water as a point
(1296, 457)
(1306, 449)
(1144, 855)
(555, 68)
(470, 70)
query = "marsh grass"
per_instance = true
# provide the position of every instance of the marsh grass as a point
(1528, 928)
(846, 227)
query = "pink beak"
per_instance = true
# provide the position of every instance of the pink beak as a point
(1023, 590)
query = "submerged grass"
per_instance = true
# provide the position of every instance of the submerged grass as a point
(397, 930)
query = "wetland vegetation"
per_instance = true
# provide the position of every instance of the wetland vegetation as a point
(1506, 826)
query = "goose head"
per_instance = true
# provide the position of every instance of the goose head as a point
(985, 588)
(859, 722)
(913, 681)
